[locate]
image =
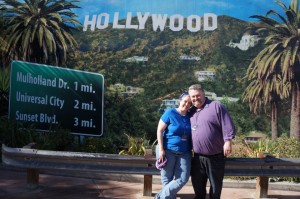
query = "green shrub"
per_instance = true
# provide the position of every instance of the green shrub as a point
(285, 147)
(57, 139)
(282, 147)
(16, 134)
(104, 144)
(137, 146)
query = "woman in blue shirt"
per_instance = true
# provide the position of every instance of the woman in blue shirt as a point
(174, 144)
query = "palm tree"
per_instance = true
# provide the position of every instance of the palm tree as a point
(281, 55)
(40, 31)
(262, 92)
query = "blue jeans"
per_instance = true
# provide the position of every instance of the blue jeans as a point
(210, 167)
(175, 174)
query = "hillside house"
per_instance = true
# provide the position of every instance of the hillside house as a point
(130, 91)
(249, 39)
(126, 91)
(169, 103)
(213, 96)
(189, 58)
(136, 59)
(205, 75)
(254, 137)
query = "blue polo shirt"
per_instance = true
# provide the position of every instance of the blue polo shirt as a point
(177, 135)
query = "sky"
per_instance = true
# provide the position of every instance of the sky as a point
(241, 9)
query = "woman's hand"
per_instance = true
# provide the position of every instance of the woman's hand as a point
(161, 154)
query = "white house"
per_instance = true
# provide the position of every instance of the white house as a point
(249, 39)
(130, 90)
(213, 96)
(169, 103)
(189, 58)
(205, 75)
(125, 90)
(136, 59)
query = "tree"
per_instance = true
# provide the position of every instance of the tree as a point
(40, 31)
(261, 92)
(281, 55)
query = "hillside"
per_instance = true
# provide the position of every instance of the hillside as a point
(164, 73)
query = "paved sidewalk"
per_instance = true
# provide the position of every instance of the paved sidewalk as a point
(13, 186)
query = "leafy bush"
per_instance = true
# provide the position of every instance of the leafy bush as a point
(283, 147)
(286, 147)
(57, 139)
(16, 134)
(105, 144)
(137, 146)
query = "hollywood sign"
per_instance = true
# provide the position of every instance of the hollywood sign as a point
(159, 22)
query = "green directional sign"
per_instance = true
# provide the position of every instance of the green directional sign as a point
(48, 95)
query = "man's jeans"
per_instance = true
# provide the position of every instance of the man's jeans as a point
(175, 174)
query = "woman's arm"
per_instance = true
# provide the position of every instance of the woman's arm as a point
(160, 129)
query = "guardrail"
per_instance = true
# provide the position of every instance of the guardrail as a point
(33, 159)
